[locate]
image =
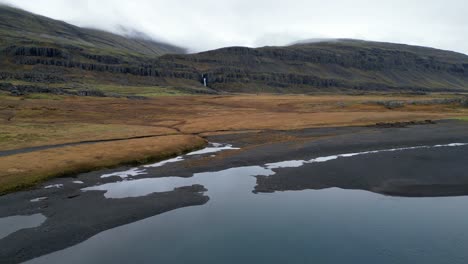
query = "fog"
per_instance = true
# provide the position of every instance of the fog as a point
(208, 24)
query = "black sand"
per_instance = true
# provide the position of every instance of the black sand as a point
(74, 216)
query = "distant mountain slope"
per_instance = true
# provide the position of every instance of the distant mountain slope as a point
(330, 65)
(39, 51)
(19, 27)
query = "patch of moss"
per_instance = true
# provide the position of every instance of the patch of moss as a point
(44, 96)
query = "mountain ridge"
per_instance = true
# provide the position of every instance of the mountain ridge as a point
(350, 40)
(57, 54)
(36, 28)
(361, 65)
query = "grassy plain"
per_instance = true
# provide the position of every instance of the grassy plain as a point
(25, 170)
(172, 125)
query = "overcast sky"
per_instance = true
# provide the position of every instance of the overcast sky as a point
(208, 24)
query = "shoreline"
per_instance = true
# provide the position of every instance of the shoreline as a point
(28, 178)
(44, 138)
(75, 159)
(85, 214)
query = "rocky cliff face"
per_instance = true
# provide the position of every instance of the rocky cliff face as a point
(345, 64)
(41, 50)
(302, 68)
(34, 48)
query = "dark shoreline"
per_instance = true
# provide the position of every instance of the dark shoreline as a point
(74, 216)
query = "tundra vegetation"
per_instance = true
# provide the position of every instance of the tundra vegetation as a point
(115, 131)
(74, 99)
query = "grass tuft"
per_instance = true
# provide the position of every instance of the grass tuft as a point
(65, 161)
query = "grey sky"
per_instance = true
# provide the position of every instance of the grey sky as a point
(208, 24)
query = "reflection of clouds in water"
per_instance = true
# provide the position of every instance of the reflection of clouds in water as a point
(142, 187)
(125, 174)
(285, 164)
(210, 180)
(53, 186)
(164, 162)
(11, 224)
(214, 148)
(40, 199)
(299, 163)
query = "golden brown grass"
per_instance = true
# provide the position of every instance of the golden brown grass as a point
(27, 122)
(74, 118)
(22, 135)
(36, 122)
(25, 170)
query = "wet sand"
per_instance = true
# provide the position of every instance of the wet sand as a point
(74, 216)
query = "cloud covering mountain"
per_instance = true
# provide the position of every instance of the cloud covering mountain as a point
(208, 24)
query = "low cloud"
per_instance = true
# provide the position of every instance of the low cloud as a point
(209, 24)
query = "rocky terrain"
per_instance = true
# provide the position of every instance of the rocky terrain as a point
(331, 65)
(37, 49)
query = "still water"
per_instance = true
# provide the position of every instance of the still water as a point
(313, 226)
(11, 224)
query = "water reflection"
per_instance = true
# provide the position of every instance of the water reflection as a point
(9, 225)
(142, 187)
(326, 226)
(238, 225)
(211, 180)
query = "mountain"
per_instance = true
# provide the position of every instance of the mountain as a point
(22, 28)
(38, 52)
(331, 65)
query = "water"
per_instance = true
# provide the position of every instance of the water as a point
(212, 148)
(238, 226)
(53, 186)
(142, 187)
(299, 163)
(11, 224)
(214, 181)
(162, 163)
(125, 174)
(328, 226)
(39, 199)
